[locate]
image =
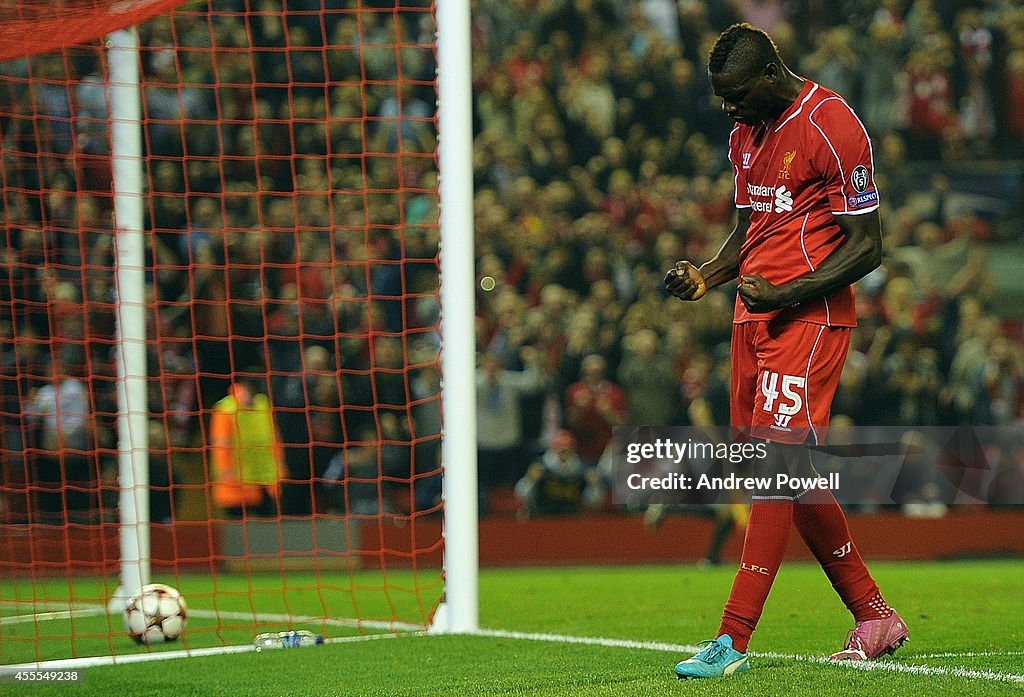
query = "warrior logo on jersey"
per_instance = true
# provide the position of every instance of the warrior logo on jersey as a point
(860, 179)
(787, 160)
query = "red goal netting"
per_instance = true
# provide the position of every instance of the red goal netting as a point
(291, 301)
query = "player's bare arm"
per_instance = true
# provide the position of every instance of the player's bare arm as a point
(687, 282)
(858, 256)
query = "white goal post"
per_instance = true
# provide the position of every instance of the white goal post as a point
(460, 610)
(129, 258)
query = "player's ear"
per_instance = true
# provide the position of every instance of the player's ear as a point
(771, 71)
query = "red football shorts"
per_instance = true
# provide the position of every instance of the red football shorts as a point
(784, 376)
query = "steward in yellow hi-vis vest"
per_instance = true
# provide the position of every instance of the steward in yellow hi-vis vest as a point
(245, 453)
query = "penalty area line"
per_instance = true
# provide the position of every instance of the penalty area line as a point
(886, 666)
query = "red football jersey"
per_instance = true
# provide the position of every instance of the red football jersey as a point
(796, 174)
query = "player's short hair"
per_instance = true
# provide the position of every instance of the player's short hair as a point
(742, 46)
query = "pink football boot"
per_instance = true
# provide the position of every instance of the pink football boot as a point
(873, 638)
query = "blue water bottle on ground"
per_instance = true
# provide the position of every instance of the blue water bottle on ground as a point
(292, 639)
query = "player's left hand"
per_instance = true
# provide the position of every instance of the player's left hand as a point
(759, 295)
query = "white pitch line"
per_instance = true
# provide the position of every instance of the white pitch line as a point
(588, 640)
(911, 668)
(256, 617)
(969, 654)
(390, 626)
(889, 666)
(52, 604)
(58, 615)
(95, 661)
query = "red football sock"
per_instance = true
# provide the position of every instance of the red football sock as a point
(822, 525)
(764, 548)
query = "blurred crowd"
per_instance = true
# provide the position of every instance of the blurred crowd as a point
(292, 232)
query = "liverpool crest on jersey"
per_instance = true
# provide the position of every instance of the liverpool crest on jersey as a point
(787, 160)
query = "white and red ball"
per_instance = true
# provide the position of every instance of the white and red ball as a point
(156, 613)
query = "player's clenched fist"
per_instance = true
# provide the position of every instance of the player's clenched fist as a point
(759, 295)
(685, 281)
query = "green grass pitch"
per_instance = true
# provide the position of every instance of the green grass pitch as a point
(967, 637)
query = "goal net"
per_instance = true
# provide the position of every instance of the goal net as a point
(287, 446)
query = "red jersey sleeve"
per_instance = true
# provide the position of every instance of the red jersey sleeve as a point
(844, 158)
(739, 169)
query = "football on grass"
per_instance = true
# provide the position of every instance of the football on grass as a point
(156, 613)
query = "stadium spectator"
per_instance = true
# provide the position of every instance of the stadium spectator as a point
(404, 122)
(879, 92)
(63, 439)
(999, 385)
(709, 409)
(646, 375)
(1007, 487)
(594, 405)
(851, 400)
(910, 384)
(174, 395)
(168, 103)
(1013, 80)
(373, 361)
(581, 340)
(305, 399)
(834, 62)
(559, 483)
(164, 475)
(425, 386)
(930, 118)
(353, 476)
(960, 392)
(501, 451)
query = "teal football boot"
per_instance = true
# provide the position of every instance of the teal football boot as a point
(717, 659)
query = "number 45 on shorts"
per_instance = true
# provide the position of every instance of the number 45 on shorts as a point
(790, 403)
